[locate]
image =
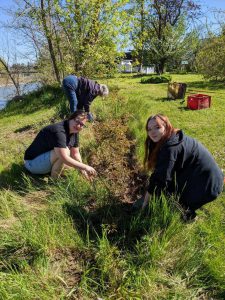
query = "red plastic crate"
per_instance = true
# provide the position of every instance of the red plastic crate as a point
(198, 101)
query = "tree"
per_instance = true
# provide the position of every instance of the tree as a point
(76, 36)
(14, 76)
(139, 33)
(211, 58)
(164, 29)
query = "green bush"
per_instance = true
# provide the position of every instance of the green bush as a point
(156, 79)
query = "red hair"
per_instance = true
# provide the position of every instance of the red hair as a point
(152, 148)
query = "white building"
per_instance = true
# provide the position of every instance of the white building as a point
(125, 66)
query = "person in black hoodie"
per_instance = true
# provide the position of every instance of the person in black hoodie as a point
(180, 165)
(81, 92)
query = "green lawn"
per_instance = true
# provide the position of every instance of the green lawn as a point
(75, 240)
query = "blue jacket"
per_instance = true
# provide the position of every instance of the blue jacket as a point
(184, 166)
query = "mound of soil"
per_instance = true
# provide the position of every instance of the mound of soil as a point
(114, 159)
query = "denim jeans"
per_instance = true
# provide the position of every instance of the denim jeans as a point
(40, 164)
(70, 84)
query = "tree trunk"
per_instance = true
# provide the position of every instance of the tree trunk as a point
(16, 84)
(50, 43)
(161, 66)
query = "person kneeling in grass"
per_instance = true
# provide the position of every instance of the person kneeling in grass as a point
(56, 147)
(180, 165)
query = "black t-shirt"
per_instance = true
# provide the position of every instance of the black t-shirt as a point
(51, 136)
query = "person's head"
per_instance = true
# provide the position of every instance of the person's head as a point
(158, 129)
(103, 91)
(77, 121)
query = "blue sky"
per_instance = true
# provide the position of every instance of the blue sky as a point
(12, 41)
(213, 3)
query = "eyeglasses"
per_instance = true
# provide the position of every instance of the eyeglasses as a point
(78, 122)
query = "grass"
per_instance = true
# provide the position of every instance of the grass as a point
(71, 239)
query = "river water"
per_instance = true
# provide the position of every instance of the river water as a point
(7, 92)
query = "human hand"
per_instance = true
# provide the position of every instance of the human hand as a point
(86, 176)
(90, 171)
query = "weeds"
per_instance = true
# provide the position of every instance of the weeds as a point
(73, 239)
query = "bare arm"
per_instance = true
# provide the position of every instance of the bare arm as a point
(63, 154)
(75, 154)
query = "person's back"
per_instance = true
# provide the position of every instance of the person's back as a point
(81, 91)
(199, 179)
(53, 135)
(180, 165)
(87, 91)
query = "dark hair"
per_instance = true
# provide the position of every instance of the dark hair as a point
(152, 148)
(77, 113)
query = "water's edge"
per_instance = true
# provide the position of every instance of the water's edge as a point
(8, 92)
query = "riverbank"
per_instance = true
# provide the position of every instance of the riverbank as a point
(23, 80)
(8, 92)
(72, 239)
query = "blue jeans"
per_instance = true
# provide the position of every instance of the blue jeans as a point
(70, 84)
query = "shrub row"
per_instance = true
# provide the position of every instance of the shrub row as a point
(156, 79)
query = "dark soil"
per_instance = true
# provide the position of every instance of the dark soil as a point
(115, 160)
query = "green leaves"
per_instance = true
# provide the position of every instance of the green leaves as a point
(211, 58)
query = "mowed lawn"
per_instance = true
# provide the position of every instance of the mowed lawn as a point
(53, 246)
(207, 125)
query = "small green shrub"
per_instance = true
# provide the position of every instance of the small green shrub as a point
(156, 79)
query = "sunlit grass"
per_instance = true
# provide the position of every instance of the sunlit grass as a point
(72, 240)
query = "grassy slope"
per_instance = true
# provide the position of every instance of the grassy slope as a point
(48, 248)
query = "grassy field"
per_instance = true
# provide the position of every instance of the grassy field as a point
(75, 240)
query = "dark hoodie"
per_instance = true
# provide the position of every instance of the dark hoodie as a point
(185, 167)
(86, 92)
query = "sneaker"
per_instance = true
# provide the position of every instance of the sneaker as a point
(189, 215)
(90, 117)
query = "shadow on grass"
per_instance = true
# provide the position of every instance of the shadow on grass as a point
(213, 283)
(210, 85)
(14, 179)
(123, 225)
(220, 295)
(45, 97)
(15, 256)
(24, 128)
(165, 99)
(184, 108)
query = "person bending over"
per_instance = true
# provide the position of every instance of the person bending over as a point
(180, 164)
(81, 92)
(56, 147)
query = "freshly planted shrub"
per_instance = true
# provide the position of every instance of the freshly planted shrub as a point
(156, 79)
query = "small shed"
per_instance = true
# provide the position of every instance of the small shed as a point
(125, 66)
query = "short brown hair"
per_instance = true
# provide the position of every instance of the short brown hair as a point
(78, 113)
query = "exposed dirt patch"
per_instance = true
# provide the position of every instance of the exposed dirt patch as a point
(7, 223)
(20, 135)
(36, 200)
(115, 161)
(69, 262)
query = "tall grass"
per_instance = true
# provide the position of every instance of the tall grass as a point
(73, 239)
